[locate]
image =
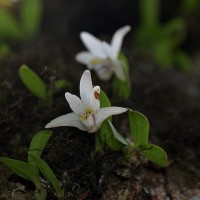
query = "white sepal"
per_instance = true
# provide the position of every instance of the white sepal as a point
(117, 40)
(70, 119)
(75, 103)
(86, 87)
(84, 57)
(93, 44)
(107, 49)
(106, 112)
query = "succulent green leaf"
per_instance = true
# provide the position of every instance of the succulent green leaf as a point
(139, 126)
(155, 154)
(9, 28)
(104, 100)
(107, 137)
(124, 61)
(163, 52)
(150, 12)
(33, 82)
(105, 133)
(25, 170)
(117, 135)
(39, 142)
(122, 88)
(98, 143)
(62, 84)
(48, 173)
(175, 29)
(189, 6)
(183, 60)
(31, 16)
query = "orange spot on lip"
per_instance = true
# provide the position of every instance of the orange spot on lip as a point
(96, 95)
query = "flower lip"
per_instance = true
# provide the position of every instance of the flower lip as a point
(96, 94)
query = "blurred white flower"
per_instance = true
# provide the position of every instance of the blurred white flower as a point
(87, 114)
(103, 57)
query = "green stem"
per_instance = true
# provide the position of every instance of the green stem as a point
(150, 12)
(41, 194)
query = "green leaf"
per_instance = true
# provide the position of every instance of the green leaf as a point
(117, 135)
(104, 101)
(124, 61)
(139, 126)
(104, 129)
(146, 37)
(107, 137)
(31, 16)
(122, 88)
(48, 174)
(9, 28)
(150, 12)
(189, 6)
(155, 154)
(98, 143)
(39, 142)
(163, 52)
(176, 30)
(33, 82)
(105, 133)
(25, 170)
(62, 84)
(183, 60)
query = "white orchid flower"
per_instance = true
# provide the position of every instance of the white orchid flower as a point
(103, 57)
(87, 114)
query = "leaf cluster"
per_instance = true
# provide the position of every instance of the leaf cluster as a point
(30, 170)
(18, 29)
(122, 89)
(139, 126)
(161, 41)
(38, 87)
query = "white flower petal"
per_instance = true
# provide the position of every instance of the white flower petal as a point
(117, 39)
(70, 119)
(107, 112)
(93, 44)
(108, 49)
(86, 88)
(94, 99)
(84, 57)
(103, 72)
(119, 70)
(75, 103)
